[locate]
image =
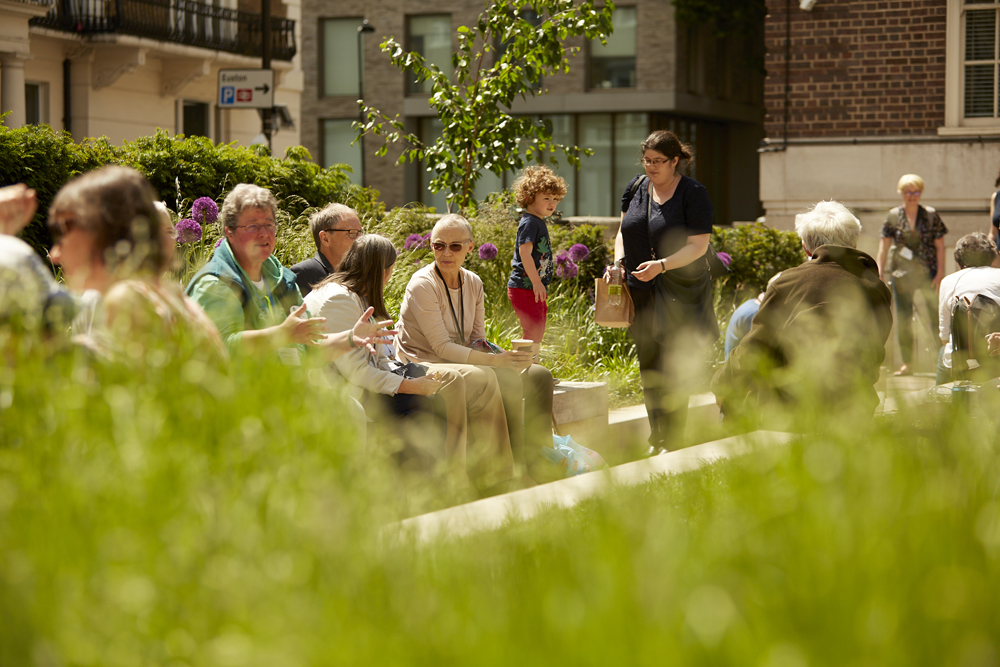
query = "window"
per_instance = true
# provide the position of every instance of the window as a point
(337, 137)
(430, 36)
(980, 60)
(533, 19)
(195, 119)
(340, 68)
(972, 68)
(35, 104)
(596, 188)
(613, 65)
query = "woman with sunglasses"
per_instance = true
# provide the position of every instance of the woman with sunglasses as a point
(384, 384)
(444, 314)
(666, 225)
(917, 233)
(111, 241)
(252, 298)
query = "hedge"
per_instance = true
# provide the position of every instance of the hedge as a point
(180, 168)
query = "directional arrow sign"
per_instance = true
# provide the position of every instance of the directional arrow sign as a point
(246, 88)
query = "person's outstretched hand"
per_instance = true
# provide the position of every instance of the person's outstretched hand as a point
(18, 204)
(301, 330)
(993, 344)
(369, 334)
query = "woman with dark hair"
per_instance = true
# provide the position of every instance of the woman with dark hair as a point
(381, 381)
(995, 215)
(108, 237)
(666, 225)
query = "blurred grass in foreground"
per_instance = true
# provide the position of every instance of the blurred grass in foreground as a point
(194, 518)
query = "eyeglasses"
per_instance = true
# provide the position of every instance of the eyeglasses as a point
(270, 228)
(912, 193)
(60, 228)
(655, 162)
(439, 246)
(351, 233)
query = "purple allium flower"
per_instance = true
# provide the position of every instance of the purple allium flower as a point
(488, 251)
(413, 241)
(204, 210)
(578, 252)
(725, 257)
(219, 242)
(568, 269)
(188, 231)
(562, 257)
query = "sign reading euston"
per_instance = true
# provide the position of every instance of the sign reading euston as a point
(246, 88)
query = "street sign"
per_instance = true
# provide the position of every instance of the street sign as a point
(246, 88)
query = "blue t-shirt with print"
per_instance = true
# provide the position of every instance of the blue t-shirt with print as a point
(531, 230)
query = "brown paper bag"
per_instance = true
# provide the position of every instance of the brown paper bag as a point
(612, 316)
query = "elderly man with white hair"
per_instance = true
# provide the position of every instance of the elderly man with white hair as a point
(818, 340)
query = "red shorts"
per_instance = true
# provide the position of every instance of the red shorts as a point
(531, 313)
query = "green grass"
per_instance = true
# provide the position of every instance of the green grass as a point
(191, 517)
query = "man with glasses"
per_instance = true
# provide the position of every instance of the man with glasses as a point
(334, 229)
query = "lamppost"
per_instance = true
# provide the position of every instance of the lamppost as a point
(365, 27)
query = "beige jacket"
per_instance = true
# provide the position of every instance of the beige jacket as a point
(342, 308)
(427, 328)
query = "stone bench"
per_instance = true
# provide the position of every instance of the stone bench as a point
(492, 513)
(580, 409)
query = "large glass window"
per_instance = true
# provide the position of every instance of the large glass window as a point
(33, 103)
(981, 59)
(337, 136)
(430, 36)
(196, 123)
(339, 64)
(593, 185)
(564, 132)
(612, 65)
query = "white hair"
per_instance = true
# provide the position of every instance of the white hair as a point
(828, 223)
(453, 221)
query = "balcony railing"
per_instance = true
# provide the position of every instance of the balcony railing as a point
(178, 21)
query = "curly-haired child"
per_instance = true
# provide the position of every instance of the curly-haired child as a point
(539, 190)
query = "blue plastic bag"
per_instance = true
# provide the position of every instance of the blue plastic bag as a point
(572, 457)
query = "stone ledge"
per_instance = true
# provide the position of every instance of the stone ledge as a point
(492, 513)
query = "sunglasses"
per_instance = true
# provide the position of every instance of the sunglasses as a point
(439, 246)
(60, 228)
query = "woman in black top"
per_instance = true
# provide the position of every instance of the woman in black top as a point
(665, 230)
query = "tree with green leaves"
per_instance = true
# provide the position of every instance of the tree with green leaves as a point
(503, 56)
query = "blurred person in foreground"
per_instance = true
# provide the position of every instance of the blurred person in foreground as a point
(443, 321)
(974, 254)
(817, 341)
(30, 299)
(254, 300)
(334, 229)
(110, 239)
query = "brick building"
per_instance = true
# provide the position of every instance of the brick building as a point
(865, 91)
(653, 74)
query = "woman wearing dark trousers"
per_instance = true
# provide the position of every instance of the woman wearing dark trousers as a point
(665, 229)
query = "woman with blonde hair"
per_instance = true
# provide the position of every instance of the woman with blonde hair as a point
(916, 263)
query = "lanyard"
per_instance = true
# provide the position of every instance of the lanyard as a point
(459, 326)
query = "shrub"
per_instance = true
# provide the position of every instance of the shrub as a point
(758, 252)
(183, 169)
